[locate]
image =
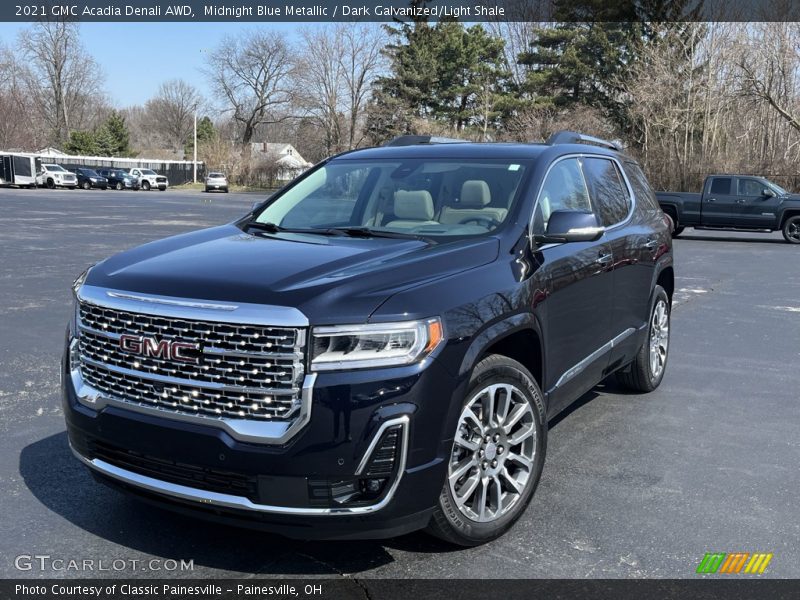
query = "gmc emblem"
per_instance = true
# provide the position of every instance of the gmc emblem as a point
(166, 349)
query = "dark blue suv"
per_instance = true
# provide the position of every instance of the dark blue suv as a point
(378, 347)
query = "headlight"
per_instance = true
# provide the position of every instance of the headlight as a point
(374, 345)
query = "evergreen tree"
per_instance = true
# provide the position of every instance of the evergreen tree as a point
(81, 143)
(205, 133)
(113, 136)
(444, 73)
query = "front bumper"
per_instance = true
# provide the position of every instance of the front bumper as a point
(349, 412)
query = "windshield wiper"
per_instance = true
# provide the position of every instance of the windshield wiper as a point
(269, 227)
(366, 232)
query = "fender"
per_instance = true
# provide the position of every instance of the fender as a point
(495, 332)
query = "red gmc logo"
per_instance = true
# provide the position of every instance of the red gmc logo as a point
(166, 349)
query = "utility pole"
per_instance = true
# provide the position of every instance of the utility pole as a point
(194, 163)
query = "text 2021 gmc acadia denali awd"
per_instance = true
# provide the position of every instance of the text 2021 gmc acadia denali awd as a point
(379, 346)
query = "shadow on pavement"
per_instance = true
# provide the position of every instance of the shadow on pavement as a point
(66, 487)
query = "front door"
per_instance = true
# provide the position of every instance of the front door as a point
(756, 204)
(579, 292)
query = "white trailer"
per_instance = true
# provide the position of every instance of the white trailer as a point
(19, 169)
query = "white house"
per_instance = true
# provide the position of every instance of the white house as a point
(286, 156)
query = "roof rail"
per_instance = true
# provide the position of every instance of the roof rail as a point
(413, 140)
(573, 137)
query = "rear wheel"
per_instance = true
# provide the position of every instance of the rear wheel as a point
(791, 230)
(497, 455)
(647, 370)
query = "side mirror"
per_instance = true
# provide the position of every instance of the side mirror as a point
(570, 226)
(768, 193)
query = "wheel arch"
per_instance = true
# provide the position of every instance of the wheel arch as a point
(514, 337)
(788, 214)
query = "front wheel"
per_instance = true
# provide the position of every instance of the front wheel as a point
(677, 231)
(87, 185)
(146, 186)
(497, 456)
(646, 371)
(51, 185)
(791, 230)
(118, 186)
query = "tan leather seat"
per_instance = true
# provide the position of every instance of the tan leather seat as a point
(412, 209)
(473, 204)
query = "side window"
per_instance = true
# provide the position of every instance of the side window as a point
(645, 197)
(721, 186)
(609, 193)
(750, 187)
(564, 189)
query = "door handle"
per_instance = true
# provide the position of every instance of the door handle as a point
(604, 259)
(651, 244)
(740, 201)
(711, 199)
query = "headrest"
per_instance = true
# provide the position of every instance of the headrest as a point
(475, 194)
(415, 205)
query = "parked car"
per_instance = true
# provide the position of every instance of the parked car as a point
(149, 179)
(385, 352)
(88, 179)
(53, 176)
(735, 202)
(119, 179)
(217, 182)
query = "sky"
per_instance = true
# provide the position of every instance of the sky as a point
(137, 57)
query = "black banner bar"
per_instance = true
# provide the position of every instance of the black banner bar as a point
(346, 588)
(188, 11)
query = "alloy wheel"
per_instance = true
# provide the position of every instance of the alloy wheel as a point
(659, 338)
(793, 230)
(493, 454)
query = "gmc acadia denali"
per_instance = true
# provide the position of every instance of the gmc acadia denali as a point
(378, 347)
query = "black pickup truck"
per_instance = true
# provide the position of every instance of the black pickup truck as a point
(736, 202)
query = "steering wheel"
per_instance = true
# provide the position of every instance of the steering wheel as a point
(488, 222)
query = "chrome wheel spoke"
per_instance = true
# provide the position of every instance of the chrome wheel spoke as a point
(468, 444)
(469, 415)
(466, 491)
(511, 481)
(516, 414)
(483, 497)
(462, 469)
(522, 460)
(521, 435)
(497, 489)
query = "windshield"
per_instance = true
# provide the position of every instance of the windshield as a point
(54, 168)
(776, 188)
(422, 197)
(148, 172)
(89, 173)
(216, 176)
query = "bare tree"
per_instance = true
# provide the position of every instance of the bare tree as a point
(172, 110)
(253, 77)
(61, 78)
(361, 62)
(13, 133)
(768, 63)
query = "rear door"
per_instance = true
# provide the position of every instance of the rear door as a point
(634, 245)
(719, 202)
(579, 302)
(754, 206)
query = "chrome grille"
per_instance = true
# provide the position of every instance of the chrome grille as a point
(250, 372)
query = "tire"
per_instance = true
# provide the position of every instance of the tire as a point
(225, 190)
(647, 370)
(791, 230)
(470, 522)
(119, 186)
(51, 185)
(677, 231)
(146, 186)
(87, 185)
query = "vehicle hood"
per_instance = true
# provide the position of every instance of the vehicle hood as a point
(330, 279)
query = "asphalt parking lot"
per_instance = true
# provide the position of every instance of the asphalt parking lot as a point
(634, 486)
